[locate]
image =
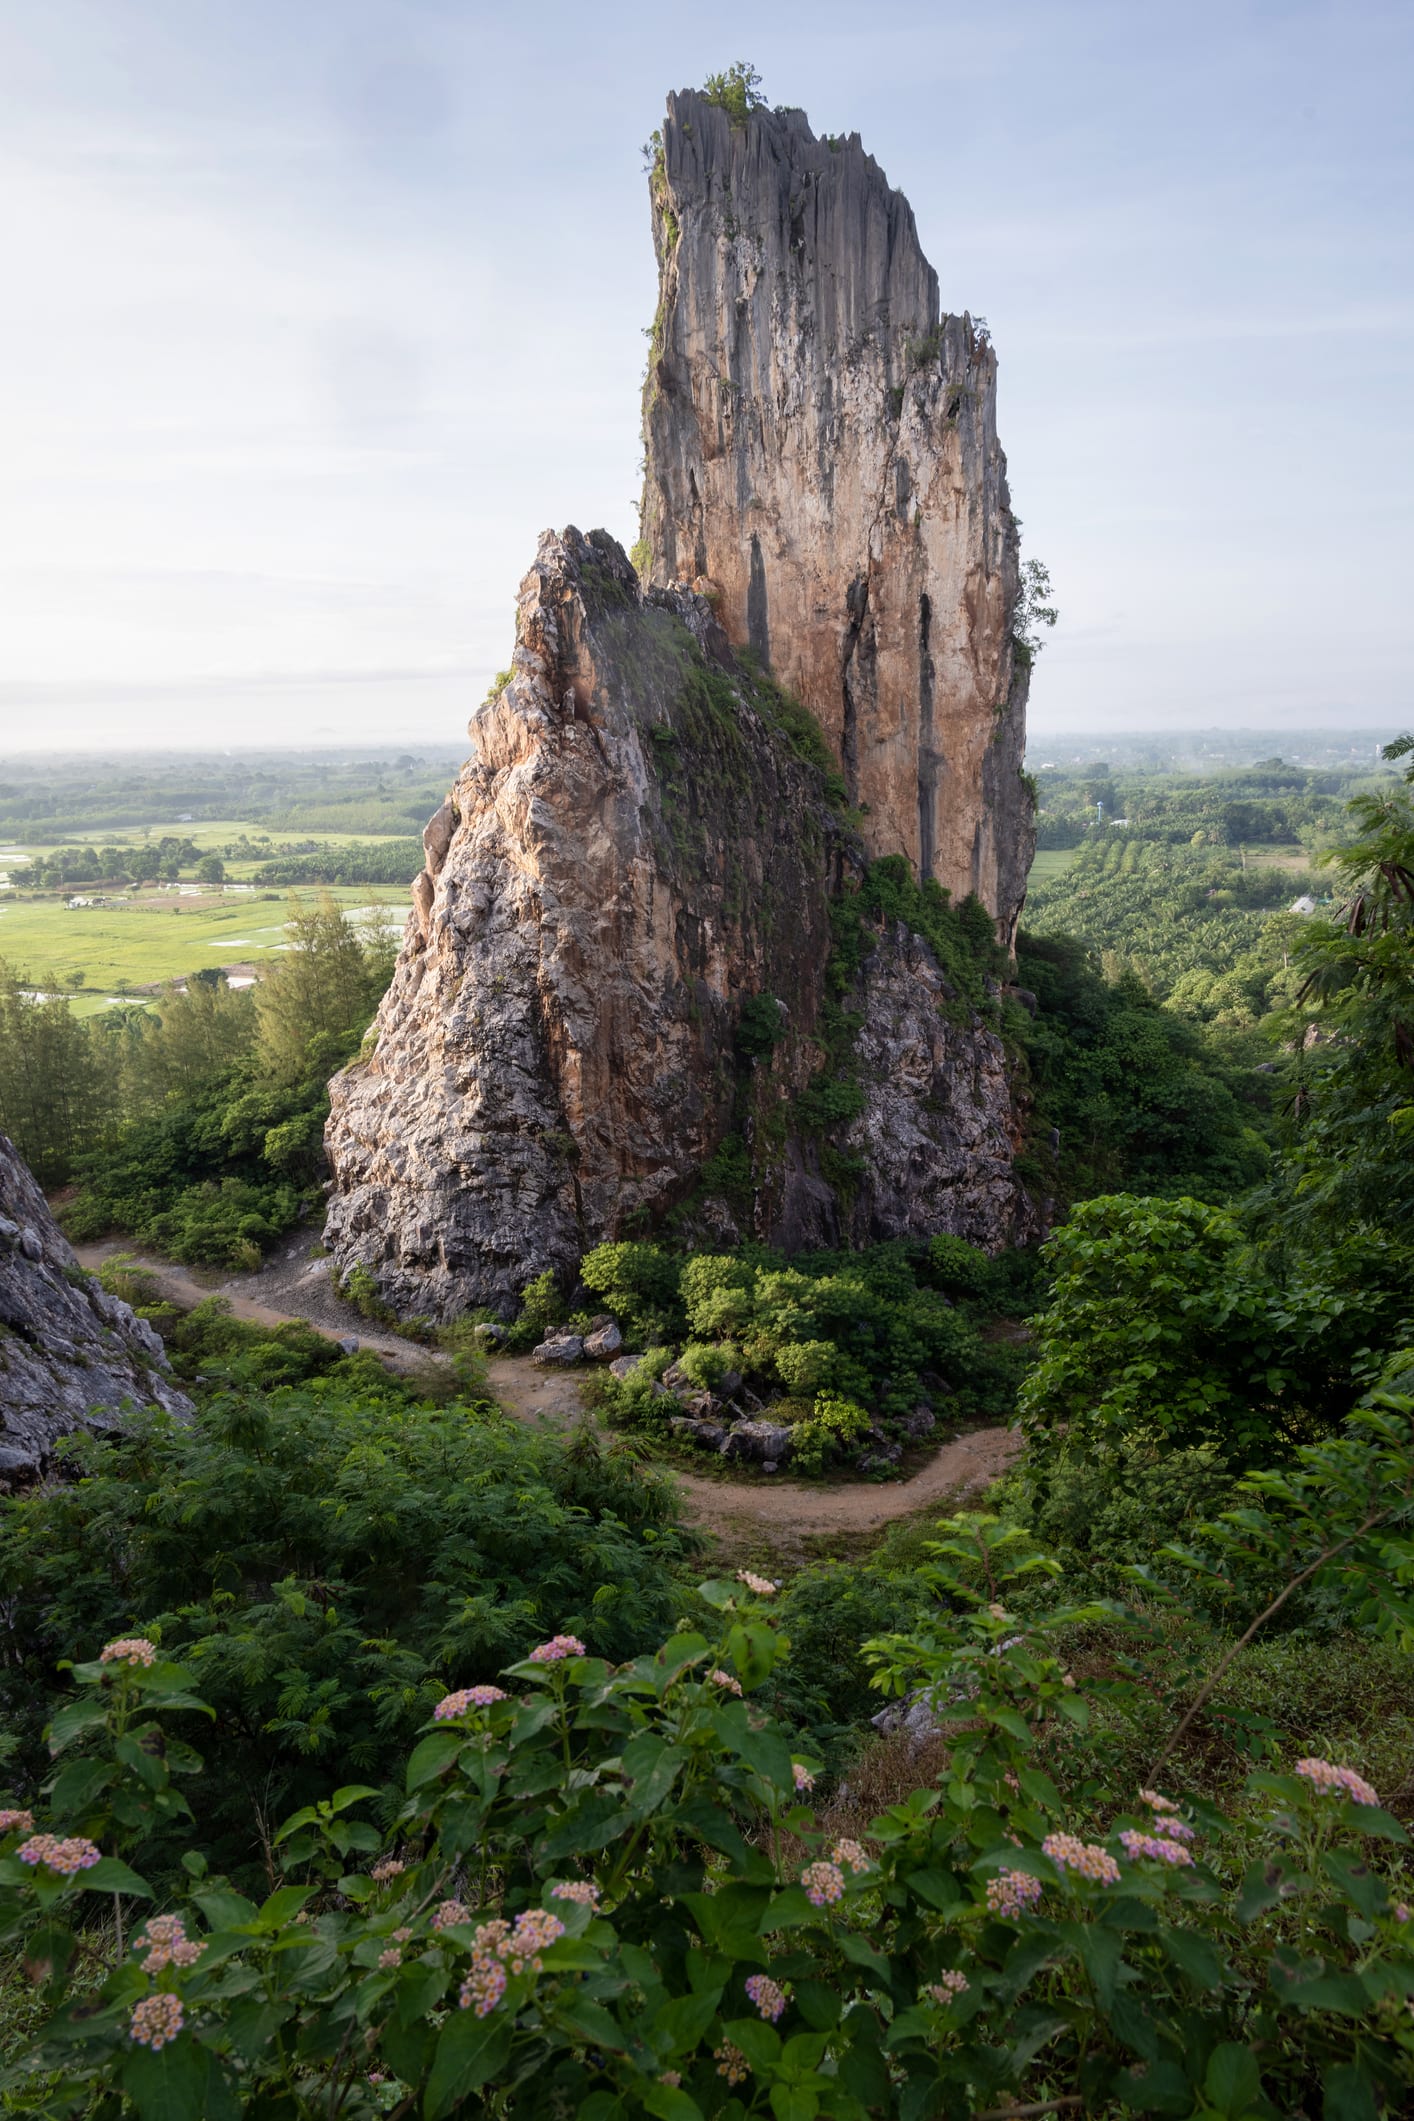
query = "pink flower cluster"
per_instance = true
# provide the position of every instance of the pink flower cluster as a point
(802, 1777)
(165, 1942)
(731, 2063)
(851, 1856)
(389, 1959)
(449, 1914)
(1324, 1775)
(1158, 1847)
(583, 1891)
(768, 1995)
(761, 1585)
(389, 1868)
(497, 1946)
(946, 1987)
(467, 1697)
(724, 1680)
(65, 1857)
(558, 1647)
(824, 1884)
(1156, 1803)
(157, 2019)
(129, 1649)
(16, 1822)
(1013, 1893)
(1174, 1829)
(1086, 1858)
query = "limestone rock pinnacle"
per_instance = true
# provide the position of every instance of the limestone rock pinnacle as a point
(822, 460)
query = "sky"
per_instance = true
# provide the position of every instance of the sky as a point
(314, 313)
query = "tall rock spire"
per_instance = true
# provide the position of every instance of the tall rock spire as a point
(823, 464)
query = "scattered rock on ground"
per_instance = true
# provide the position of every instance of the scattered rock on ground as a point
(758, 1440)
(604, 1343)
(560, 1350)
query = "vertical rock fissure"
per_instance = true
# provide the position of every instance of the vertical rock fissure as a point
(927, 756)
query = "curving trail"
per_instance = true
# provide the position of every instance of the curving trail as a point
(782, 1512)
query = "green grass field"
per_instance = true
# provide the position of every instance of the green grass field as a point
(1050, 863)
(216, 833)
(155, 937)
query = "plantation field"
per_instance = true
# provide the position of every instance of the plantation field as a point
(209, 836)
(157, 936)
(1050, 863)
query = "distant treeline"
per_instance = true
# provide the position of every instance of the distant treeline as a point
(44, 799)
(360, 862)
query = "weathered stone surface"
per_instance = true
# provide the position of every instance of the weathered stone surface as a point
(822, 458)
(939, 1131)
(623, 1366)
(758, 1440)
(559, 1352)
(71, 1356)
(707, 1435)
(604, 1343)
(639, 845)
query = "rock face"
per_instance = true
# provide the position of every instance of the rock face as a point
(71, 1357)
(822, 460)
(616, 1001)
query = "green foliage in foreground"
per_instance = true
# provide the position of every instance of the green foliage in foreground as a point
(326, 1557)
(606, 1893)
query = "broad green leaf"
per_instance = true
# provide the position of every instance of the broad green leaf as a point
(73, 1720)
(859, 1953)
(596, 1819)
(252, 2023)
(1261, 1889)
(1348, 2095)
(282, 1906)
(1345, 1993)
(794, 2102)
(668, 2102)
(759, 2042)
(470, 2052)
(1193, 1955)
(590, 2019)
(1233, 2081)
(351, 1793)
(430, 1756)
(1100, 1951)
(818, 2004)
(108, 1875)
(683, 2021)
(167, 2083)
(934, 1888)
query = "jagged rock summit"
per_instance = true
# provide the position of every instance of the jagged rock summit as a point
(823, 463)
(635, 983)
(71, 1356)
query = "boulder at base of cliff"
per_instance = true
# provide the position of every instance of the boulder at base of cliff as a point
(71, 1356)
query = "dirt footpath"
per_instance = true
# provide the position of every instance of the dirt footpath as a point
(779, 1514)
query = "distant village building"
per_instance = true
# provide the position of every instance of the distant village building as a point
(1304, 904)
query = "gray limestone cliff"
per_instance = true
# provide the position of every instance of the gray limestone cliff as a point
(622, 1003)
(636, 847)
(823, 463)
(71, 1357)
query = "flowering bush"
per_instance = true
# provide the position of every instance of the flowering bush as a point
(605, 1895)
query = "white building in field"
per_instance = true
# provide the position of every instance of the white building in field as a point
(1304, 904)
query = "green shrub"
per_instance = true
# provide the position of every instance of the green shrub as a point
(958, 1268)
(834, 1428)
(638, 1282)
(705, 1363)
(542, 1309)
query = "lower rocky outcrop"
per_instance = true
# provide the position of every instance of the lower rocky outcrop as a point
(71, 1356)
(612, 993)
